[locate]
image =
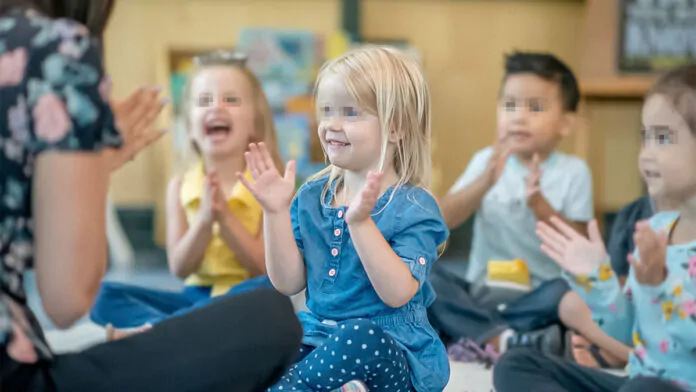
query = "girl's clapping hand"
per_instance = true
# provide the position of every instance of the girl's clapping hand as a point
(571, 250)
(651, 268)
(273, 191)
(361, 207)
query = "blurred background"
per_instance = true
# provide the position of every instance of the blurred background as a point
(614, 46)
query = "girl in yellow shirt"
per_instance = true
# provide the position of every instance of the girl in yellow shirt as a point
(214, 237)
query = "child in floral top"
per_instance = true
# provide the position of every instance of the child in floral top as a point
(656, 310)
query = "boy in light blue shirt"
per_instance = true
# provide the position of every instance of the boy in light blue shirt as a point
(511, 186)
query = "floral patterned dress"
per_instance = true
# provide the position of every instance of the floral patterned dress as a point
(658, 322)
(53, 96)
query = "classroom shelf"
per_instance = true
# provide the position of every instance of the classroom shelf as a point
(633, 87)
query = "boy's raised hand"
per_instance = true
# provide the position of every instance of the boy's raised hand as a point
(273, 191)
(572, 251)
(361, 207)
(502, 149)
(651, 268)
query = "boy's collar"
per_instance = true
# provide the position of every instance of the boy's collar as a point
(550, 160)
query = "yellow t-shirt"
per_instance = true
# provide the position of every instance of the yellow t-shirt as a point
(220, 268)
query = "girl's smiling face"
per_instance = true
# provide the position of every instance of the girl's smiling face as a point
(668, 154)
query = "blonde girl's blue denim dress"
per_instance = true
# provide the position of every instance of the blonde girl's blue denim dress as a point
(338, 288)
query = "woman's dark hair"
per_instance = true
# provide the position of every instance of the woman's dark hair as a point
(94, 14)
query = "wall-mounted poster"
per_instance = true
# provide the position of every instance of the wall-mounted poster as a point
(656, 34)
(285, 61)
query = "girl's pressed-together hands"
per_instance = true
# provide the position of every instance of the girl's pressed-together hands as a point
(650, 268)
(213, 203)
(273, 191)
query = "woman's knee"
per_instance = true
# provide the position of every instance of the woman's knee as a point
(514, 361)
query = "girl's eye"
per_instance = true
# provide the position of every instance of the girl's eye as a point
(231, 100)
(664, 137)
(205, 100)
(509, 106)
(350, 112)
(325, 111)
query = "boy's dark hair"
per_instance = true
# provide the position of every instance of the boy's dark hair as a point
(94, 14)
(548, 67)
(679, 87)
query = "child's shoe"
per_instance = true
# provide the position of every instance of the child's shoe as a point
(549, 340)
(353, 386)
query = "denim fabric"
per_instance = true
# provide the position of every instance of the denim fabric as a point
(338, 288)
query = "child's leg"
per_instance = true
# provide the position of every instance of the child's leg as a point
(129, 306)
(260, 282)
(577, 316)
(359, 350)
(538, 308)
(456, 313)
(527, 369)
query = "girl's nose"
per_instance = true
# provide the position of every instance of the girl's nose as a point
(335, 123)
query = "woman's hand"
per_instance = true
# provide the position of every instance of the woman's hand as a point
(20, 348)
(273, 191)
(135, 116)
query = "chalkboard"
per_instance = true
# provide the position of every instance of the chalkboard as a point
(656, 34)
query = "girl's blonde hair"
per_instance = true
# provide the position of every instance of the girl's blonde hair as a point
(389, 84)
(264, 127)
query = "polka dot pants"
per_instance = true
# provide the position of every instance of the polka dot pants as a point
(359, 350)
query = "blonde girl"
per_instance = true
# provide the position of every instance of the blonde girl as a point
(362, 235)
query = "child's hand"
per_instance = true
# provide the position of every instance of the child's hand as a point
(651, 269)
(209, 206)
(361, 207)
(273, 191)
(533, 180)
(572, 251)
(217, 197)
(501, 152)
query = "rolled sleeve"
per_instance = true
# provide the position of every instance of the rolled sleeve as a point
(420, 230)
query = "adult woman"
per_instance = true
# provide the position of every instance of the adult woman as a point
(58, 144)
